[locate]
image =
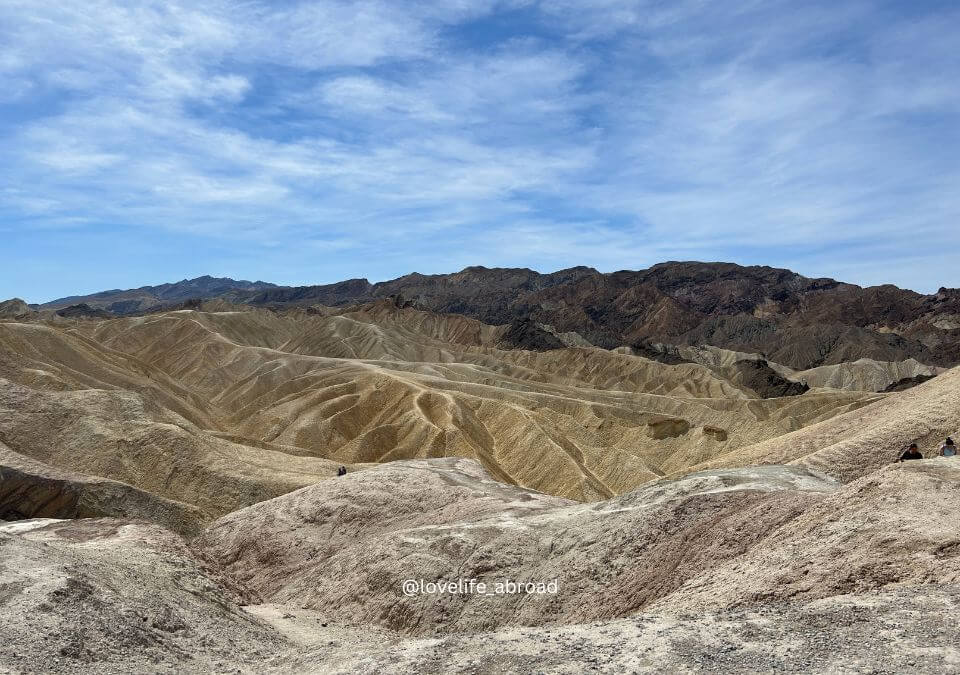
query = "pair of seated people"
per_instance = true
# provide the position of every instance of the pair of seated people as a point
(948, 449)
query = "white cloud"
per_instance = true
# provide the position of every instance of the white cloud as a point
(369, 96)
(603, 133)
(323, 35)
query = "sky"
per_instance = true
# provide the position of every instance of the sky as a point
(310, 142)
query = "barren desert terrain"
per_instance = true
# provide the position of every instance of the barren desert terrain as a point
(170, 498)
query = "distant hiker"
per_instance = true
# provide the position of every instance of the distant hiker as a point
(948, 449)
(912, 453)
(342, 471)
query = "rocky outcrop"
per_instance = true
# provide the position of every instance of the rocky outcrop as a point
(758, 376)
(83, 311)
(15, 308)
(905, 383)
(526, 334)
(655, 351)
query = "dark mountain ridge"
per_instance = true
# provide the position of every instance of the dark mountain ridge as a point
(119, 301)
(790, 319)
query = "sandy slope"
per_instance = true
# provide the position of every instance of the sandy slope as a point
(855, 443)
(253, 397)
(32, 489)
(117, 434)
(864, 374)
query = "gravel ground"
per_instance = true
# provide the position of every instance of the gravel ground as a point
(857, 578)
(109, 596)
(908, 630)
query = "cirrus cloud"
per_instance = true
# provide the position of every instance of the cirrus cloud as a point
(388, 138)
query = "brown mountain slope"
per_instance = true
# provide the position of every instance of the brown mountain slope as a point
(799, 322)
(147, 298)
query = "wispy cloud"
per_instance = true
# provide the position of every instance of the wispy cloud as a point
(386, 137)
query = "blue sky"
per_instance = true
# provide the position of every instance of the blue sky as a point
(308, 142)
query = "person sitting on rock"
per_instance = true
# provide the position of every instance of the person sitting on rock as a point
(342, 471)
(913, 452)
(948, 449)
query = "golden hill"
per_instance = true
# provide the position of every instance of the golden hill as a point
(220, 409)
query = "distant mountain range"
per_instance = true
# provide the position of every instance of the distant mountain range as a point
(789, 318)
(147, 298)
